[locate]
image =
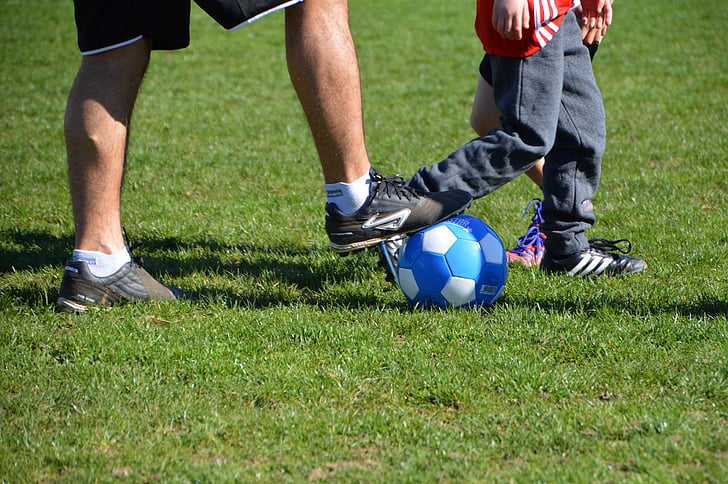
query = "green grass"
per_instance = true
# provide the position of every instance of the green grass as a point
(293, 363)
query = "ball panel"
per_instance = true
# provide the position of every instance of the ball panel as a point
(438, 239)
(433, 300)
(472, 224)
(499, 295)
(410, 250)
(492, 249)
(465, 259)
(408, 283)
(459, 231)
(432, 273)
(488, 290)
(459, 291)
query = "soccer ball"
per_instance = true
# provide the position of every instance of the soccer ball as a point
(458, 262)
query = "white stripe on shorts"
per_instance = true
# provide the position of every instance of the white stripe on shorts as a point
(112, 47)
(263, 14)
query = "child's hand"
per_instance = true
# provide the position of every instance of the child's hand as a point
(596, 14)
(594, 34)
(511, 18)
(590, 36)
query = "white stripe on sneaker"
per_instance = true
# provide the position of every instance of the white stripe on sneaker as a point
(596, 261)
(603, 267)
(585, 258)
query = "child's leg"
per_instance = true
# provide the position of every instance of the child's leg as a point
(528, 95)
(572, 170)
(529, 248)
(486, 116)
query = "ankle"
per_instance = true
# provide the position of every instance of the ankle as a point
(348, 197)
(103, 246)
(348, 174)
(101, 264)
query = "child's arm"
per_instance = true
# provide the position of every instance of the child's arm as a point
(511, 18)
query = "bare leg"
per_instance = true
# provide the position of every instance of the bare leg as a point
(485, 116)
(324, 70)
(535, 173)
(97, 122)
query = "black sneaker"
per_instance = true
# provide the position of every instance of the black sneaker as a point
(603, 257)
(392, 209)
(80, 288)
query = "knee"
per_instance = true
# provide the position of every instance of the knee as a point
(484, 115)
(313, 16)
(538, 142)
(123, 65)
(594, 140)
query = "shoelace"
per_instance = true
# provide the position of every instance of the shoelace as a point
(537, 206)
(531, 237)
(533, 234)
(623, 246)
(393, 186)
(131, 246)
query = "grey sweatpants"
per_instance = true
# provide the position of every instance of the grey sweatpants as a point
(551, 107)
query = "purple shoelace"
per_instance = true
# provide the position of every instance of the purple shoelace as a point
(533, 234)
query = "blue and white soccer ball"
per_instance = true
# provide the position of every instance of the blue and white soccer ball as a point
(458, 262)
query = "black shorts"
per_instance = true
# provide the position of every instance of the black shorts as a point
(487, 73)
(104, 25)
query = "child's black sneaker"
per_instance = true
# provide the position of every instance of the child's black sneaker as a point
(392, 209)
(603, 257)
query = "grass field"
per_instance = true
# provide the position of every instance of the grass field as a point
(293, 363)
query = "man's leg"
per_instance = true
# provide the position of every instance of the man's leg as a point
(97, 122)
(98, 118)
(324, 70)
(362, 210)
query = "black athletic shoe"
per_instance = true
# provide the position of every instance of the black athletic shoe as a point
(80, 288)
(603, 257)
(392, 209)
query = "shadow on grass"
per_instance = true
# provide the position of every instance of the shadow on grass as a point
(291, 275)
(702, 307)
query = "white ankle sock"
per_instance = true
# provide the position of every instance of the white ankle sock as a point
(100, 264)
(348, 197)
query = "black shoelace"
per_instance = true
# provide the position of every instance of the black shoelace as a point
(623, 246)
(131, 246)
(393, 186)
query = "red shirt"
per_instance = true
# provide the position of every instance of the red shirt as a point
(546, 18)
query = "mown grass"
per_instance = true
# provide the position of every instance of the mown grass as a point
(293, 363)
